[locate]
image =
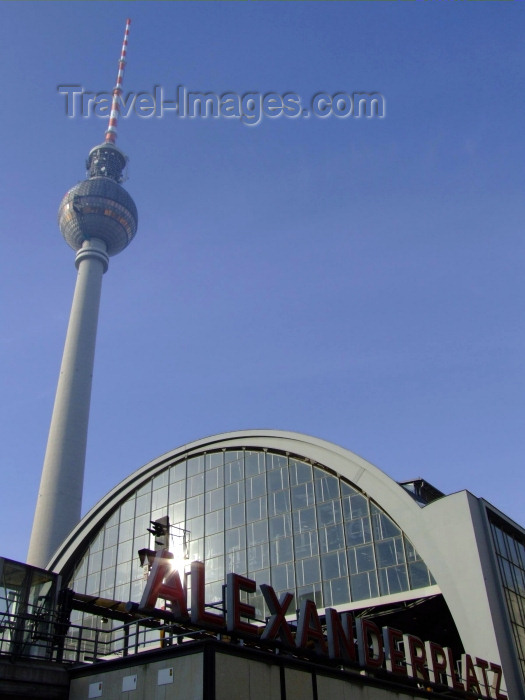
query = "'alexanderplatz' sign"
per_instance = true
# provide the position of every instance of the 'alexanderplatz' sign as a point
(354, 641)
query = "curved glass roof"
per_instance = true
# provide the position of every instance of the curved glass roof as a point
(274, 517)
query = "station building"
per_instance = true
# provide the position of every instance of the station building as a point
(307, 518)
(304, 517)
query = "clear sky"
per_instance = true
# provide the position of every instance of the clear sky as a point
(360, 280)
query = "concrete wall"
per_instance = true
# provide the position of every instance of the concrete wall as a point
(213, 674)
(238, 678)
(176, 678)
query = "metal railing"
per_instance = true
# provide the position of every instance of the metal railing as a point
(41, 637)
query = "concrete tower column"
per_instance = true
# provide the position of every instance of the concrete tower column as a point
(59, 502)
(98, 219)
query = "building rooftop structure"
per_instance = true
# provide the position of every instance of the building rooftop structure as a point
(309, 518)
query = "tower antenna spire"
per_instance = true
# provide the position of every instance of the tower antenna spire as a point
(111, 131)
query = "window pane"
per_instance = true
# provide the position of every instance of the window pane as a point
(364, 558)
(256, 509)
(331, 538)
(418, 574)
(256, 486)
(329, 513)
(278, 502)
(326, 486)
(280, 526)
(235, 539)
(281, 550)
(304, 520)
(302, 495)
(254, 463)
(235, 515)
(299, 472)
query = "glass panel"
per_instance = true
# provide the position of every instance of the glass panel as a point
(280, 526)
(214, 459)
(358, 531)
(195, 527)
(214, 500)
(256, 509)
(95, 562)
(331, 538)
(329, 513)
(214, 522)
(195, 465)
(386, 553)
(97, 543)
(382, 525)
(125, 551)
(143, 504)
(178, 472)
(161, 480)
(308, 571)
(305, 544)
(361, 559)
(302, 495)
(214, 545)
(274, 461)
(234, 493)
(397, 579)
(195, 506)
(304, 520)
(256, 486)
(278, 502)
(363, 586)
(177, 491)
(277, 479)
(215, 570)
(196, 547)
(234, 471)
(257, 532)
(127, 509)
(336, 591)
(299, 472)
(215, 478)
(177, 513)
(283, 578)
(195, 485)
(355, 506)
(235, 539)
(144, 490)
(126, 530)
(326, 487)
(232, 456)
(254, 463)
(418, 574)
(93, 584)
(334, 565)
(236, 562)
(281, 550)
(258, 557)
(235, 515)
(160, 499)
(310, 592)
(107, 580)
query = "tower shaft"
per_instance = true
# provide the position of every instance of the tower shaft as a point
(59, 500)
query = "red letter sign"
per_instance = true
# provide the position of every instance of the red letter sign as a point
(170, 589)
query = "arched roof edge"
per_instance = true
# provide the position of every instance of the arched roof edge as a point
(367, 477)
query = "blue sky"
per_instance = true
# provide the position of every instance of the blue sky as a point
(360, 280)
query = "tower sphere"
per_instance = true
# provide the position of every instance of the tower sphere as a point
(99, 207)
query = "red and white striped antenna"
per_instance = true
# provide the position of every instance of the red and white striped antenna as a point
(111, 131)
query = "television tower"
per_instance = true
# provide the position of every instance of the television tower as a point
(98, 219)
